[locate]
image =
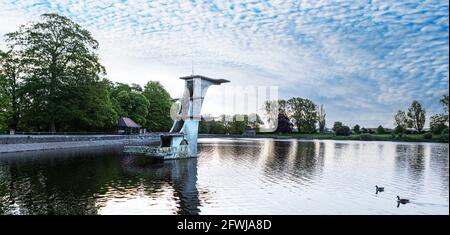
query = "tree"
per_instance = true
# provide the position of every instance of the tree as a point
(416, 116)
(444, 102)
(304, 112)
(438, 123)
(11, 72)
(4, 105)
(158, 117)
(321, 119)
(380, 130)
(272, 108)
(284, 124)
(356, 129)
(336, 126)
(343, 131)
(401, 119)
(133, 105)
(60, 62)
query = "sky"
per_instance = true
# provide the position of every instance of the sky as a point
(363, 60)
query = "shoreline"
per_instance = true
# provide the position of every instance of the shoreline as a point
(323, 137)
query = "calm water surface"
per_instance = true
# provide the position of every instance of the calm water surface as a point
(232, 176)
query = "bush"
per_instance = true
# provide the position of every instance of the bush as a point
(365, 136)
(399, 130)
(343, 131)
(380, 130)
(444, 134)
(428, 136)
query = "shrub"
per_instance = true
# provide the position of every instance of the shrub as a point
(428, 136)
(399, 130)
(357, 129)
(343, 131)
(444, 134)
(365, 136)
(380, 130)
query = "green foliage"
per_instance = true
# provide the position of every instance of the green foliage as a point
(444, 134)
(343, 131)
(416, 116)
(61, 86)
(4, 105)
(336, 126)
(399, 130)
(401, 119)
(365, 136)
(438, 123)
(428, 136)
(158, 117)
(380, 130)
(304, 113)
(236, 124)
(356, 129)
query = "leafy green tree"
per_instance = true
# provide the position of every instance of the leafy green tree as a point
(133, 105)
(321, 118)
(158, 116)
(357, 129)
(416, 116)
(273, 108)
(438, 123)
(337, 125)
(4, 105)
(61, 63)
(304, 112)
(11, 71)
(343, 131)
(401, 119)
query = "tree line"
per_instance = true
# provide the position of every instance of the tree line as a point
(52, 80)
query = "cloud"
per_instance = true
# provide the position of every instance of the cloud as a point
(364, 60)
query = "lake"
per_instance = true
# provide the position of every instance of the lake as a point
(232, 176)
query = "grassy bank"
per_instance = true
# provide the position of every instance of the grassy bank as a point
(365, 137)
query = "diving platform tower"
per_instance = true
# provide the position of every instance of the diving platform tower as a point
(181, 140)
(189, 114)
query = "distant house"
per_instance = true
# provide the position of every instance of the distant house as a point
(126, 126)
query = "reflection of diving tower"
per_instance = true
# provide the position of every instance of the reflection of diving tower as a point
(181, 141)
(191, 105)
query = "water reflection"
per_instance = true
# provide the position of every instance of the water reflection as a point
(242, 176)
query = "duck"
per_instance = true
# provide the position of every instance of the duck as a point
(379, 189)
(402, 200)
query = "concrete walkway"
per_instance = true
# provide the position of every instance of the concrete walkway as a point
(10, 148)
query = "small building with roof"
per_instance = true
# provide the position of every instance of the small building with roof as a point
(127, 126)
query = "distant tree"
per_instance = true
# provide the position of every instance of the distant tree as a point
(364, 130)
(284, 124)
(356, 129)
(160, 102)
(272, 108)
(60, 62)
(401, 119)
(381, 130)
(336, 126)
(444, 102)
(321, 119)
(343, 131)
(438, 123)
(416, 116)
(304, 113)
